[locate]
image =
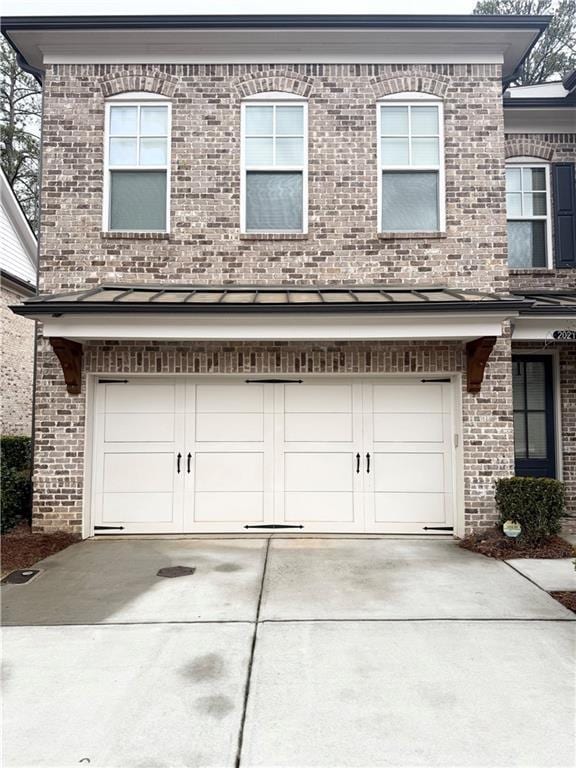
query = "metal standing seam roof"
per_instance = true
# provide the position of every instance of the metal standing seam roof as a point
(167, 299)
(548, 303)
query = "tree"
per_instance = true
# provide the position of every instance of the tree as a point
(20, 110)
(555, 52)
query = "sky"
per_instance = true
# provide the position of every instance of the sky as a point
(128, 7)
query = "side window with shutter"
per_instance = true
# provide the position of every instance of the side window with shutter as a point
(564, 192)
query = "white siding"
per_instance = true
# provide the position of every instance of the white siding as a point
(17, 252)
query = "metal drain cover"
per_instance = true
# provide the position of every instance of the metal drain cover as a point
(20, 577)
(176, 570)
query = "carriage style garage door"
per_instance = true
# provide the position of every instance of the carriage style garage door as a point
(192, 454)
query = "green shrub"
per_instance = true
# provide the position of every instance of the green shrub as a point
(537, 503)
(16, 488)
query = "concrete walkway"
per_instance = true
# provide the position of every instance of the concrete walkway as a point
(293, 652)
(550, 575)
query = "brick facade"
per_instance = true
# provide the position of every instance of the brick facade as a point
(17, 368)
(205, 245)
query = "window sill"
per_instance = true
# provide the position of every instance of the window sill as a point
(274, 236)
(135, 235)
(532, 271)
(433, 235)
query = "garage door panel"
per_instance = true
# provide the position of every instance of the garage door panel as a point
(139, 428)
(230, 398)
(137, 397)
(408, 427)
(229, 428)
(318, 398)
(137, 508)
(406, 472)
(407, 397)
(229, 507)
(409, 507)
(319, 507)
(318, 472)
(138, 472)
(229, 472)
(318, 427)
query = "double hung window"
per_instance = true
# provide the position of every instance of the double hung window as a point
(137, 166)
(274, 156)
(411, 166)
(527, 207)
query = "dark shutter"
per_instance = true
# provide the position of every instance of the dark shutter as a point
(564, 187)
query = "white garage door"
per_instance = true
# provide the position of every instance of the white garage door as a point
(322, 455)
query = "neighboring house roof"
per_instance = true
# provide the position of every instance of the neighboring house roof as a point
(18, 255)
(310, 38)
(190, 299)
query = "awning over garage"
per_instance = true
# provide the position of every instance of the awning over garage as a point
(181, 312)
(272, 313)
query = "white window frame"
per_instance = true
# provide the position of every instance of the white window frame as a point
(273, 99)
(413, 99)
(534, 162)
(135, 100)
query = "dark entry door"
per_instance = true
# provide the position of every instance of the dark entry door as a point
(534, 438)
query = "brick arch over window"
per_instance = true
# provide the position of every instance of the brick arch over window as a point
(419, 82)
(283, 80)
(150, 81)
(528, 147)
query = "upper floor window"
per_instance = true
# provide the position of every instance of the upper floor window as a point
(411, 166)
(274, 159)
(528, 213)
(137, 157)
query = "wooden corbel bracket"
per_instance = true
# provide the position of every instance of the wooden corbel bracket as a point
(70, 355)
(477, 354)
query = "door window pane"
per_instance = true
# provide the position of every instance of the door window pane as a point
(518, 390)
(535, 376)
(273, 202)
(410, 201)
(536, 435)
(123, 121)
(526, 244)
(520, 436)
(138, 200)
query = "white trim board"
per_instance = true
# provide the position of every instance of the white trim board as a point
(205, 327)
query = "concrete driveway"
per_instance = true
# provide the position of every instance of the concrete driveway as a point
(294, 652)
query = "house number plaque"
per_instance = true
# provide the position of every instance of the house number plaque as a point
(565, 334)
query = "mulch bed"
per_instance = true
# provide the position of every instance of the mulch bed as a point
(493, 543)
(20, 548)
(568, 599)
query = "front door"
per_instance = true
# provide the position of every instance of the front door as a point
(534, 432)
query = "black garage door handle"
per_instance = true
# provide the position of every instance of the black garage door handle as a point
(368, 463)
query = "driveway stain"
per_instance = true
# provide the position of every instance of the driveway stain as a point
(215, 706)
(204, 668)
(228, 568)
